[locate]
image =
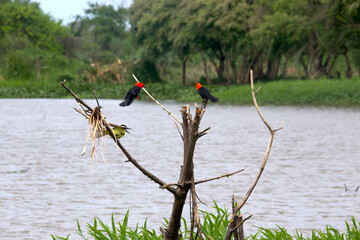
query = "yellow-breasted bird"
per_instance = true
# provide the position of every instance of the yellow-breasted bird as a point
(118, 130)
(205, 93)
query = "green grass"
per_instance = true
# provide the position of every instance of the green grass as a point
(297, 92)
(330, 233)
(213, 225)
(281, 92)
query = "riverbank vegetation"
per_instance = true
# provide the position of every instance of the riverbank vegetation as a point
(214, 226)
(327, 92)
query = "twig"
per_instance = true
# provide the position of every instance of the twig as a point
(80, 112)
(198, 198)
(182, 137)
(216, 178)
(204, 103)
(195, 217)
(166, 110)
(203, 132)
(76, 97)
(97, 101)
(242, 222)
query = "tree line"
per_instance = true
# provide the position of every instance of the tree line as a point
(276, 38)
(235, 36)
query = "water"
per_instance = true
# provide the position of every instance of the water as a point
(46, 185)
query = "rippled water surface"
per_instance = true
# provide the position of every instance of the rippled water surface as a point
(45, 183)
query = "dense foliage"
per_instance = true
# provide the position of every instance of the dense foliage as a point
(205, 40)
(235, 36)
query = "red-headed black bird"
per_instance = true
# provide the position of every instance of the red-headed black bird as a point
(205, 93)
(132, 94)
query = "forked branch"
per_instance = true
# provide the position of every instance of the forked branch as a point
(272, 131)
(272, 134)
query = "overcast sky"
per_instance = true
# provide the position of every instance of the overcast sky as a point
(68, 9)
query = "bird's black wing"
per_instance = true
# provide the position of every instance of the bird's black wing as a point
(135, 91)
(130, 96)
(205, 93)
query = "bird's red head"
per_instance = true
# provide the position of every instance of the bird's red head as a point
(198, 85)
(140, 85)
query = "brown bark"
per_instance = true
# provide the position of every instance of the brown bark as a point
(190, 134)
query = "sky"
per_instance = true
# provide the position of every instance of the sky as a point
(68, 9)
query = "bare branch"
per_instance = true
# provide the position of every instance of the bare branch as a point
(76, 97)
(253, 93)
(195, 212)
(97, 101)
(242, 221)
(281, 126)
(166, 110)
(182, 137)
(195, 218)
(80, 112)
(272, 134)
(204, 103)
(203, 132)
(198, 198)
(216, 178)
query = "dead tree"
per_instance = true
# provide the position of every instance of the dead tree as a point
(186, 183)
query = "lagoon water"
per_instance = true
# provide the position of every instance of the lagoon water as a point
(46, 185)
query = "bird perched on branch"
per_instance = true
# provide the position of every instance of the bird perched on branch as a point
(119, 131)
(132, 94)
(205, 93)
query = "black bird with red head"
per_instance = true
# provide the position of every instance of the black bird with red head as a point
(205, 93)
(132, 94)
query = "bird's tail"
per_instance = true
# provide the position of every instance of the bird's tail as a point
(125, 103)
(214, 99)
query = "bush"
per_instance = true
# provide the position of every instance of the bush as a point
(18, 65)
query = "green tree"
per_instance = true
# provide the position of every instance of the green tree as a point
(279, 33)
(185, 27)
(154, 27)
(104, 26)
(23, 18)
